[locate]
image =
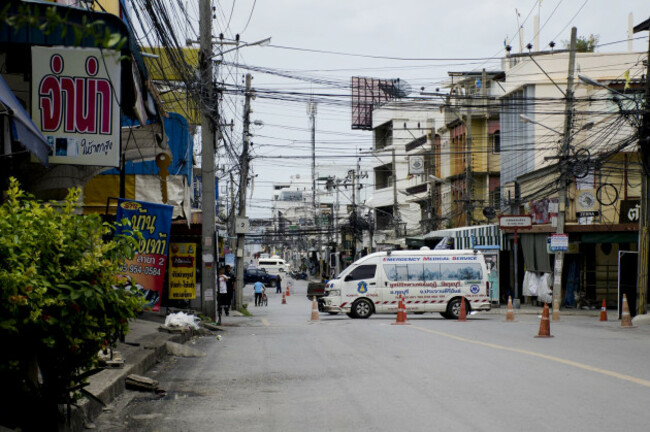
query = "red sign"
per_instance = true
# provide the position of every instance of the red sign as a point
(74, 103)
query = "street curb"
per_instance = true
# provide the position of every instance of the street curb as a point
(110, 383)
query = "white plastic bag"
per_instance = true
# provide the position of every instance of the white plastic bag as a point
(181, 319)
(545, 293)
(530, 284)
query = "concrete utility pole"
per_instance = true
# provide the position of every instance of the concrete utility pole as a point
(311, 111)
(561, 215)
(396, 219)
(468, 172)
(243, 181)
(644, 217)
(208, 110)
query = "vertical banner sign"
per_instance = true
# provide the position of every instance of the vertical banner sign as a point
(74, 103)
(146, 271)
(182, 271)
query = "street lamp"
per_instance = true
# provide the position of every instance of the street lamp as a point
(585, 79)
(238, 44)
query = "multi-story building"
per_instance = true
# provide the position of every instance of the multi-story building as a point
(596, 165)
(471, 157)
(404, 158)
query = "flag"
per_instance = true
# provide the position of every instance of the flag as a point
(626, 75)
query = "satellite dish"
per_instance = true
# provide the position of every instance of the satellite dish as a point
(397, 88)
(489, 212)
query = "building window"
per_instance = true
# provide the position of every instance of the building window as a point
(496, 142)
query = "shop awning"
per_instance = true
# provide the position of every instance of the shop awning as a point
(23, 130)
(468, 237)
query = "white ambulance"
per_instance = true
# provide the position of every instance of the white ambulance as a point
(428, 280)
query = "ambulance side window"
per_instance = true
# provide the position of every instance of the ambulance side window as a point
(362, 272)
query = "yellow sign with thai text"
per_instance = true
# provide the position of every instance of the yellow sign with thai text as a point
(182, 271)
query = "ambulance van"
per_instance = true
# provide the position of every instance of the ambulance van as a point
(427, 280)
(274, 265)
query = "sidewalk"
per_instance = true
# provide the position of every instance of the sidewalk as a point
(528, 309)
(144, 346)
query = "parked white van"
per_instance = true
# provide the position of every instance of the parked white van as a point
(273, 265)
(428, 280)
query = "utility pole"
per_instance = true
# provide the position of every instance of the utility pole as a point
(644, 217)
(561, 215)
(396, 218)
(231, 215)
(208, 111)
(311, 110)
(243, 181)
(468, 168)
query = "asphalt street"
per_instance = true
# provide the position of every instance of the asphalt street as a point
(278, 371)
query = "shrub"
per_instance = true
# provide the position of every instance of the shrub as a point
(60, 302)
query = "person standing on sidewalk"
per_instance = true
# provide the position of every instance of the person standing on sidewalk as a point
(230, 283)
(278, 285)
(223, 300)
(258, 287)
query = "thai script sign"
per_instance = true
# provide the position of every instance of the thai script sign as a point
(182, 271)
(145, 272)
(75, 103)
(515, 221)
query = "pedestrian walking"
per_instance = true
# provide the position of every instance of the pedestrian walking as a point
(230, 284)
(222, 294)
(278, 285)
(258, 288)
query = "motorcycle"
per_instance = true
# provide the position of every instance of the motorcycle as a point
(296, 274)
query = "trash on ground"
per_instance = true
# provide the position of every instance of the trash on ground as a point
(181, 319)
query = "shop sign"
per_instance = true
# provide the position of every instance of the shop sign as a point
(75, 103)
(586, 203)
(182, 271)
(416, 165)
(145, 272)
(559, 243)
(515, 221)
(630, 211)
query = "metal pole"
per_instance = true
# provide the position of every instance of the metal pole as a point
(208, 110)
(243, 181)
(561, 215)
(515, 296)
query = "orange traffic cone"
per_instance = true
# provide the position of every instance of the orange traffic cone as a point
(626, 318)
(510, 313)
(462, 315)
(603, 311)
(284, 299)
(544, 325)
(556, 311)
(287, 290)
(314, 310)
(401, 313)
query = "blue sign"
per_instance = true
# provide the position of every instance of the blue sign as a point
(362, 287)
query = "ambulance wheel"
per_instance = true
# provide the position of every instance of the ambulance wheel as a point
(362, 308)
(453, 309)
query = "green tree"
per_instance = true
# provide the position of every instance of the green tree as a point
(60, 304)
(584, 44)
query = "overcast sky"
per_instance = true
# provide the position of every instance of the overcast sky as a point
(420, 42)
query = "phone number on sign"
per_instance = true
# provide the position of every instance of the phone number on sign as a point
(138, 269)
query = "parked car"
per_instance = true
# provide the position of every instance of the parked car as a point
(252, 275)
